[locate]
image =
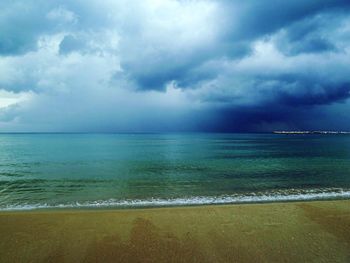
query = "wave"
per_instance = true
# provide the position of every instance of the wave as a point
(253, 197)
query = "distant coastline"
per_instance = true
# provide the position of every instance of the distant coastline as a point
(311, 132)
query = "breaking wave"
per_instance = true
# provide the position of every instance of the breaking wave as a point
(252, 197)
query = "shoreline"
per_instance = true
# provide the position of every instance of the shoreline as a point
(307, 231)
(55, 209)
(249, 198)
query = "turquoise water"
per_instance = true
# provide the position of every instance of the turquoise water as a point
(123, 170)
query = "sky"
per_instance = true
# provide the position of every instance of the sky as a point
(174, 66)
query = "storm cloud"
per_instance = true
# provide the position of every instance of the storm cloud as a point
(149, 66)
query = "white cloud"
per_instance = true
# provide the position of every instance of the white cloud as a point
(62, 15)
(8, 98)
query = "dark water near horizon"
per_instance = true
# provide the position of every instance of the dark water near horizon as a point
(127, 170)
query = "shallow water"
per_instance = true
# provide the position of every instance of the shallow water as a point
(93, 170)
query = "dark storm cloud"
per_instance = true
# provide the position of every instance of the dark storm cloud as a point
(322, 95)
(19, 26)
(23, 22)
(245, 119)
(242, 22)
(258, 18)
(301, 90)
(199, 65)
(311, 35)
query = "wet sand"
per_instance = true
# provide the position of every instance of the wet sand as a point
(277, 232)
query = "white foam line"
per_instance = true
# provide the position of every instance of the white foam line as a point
(200, 200)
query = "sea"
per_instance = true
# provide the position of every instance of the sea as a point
(55, 171)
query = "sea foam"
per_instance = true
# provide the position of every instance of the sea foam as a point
(252, 197)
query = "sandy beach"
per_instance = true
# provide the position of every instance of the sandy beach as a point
(277, 232)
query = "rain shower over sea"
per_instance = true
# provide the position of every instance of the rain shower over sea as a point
(151, 170)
